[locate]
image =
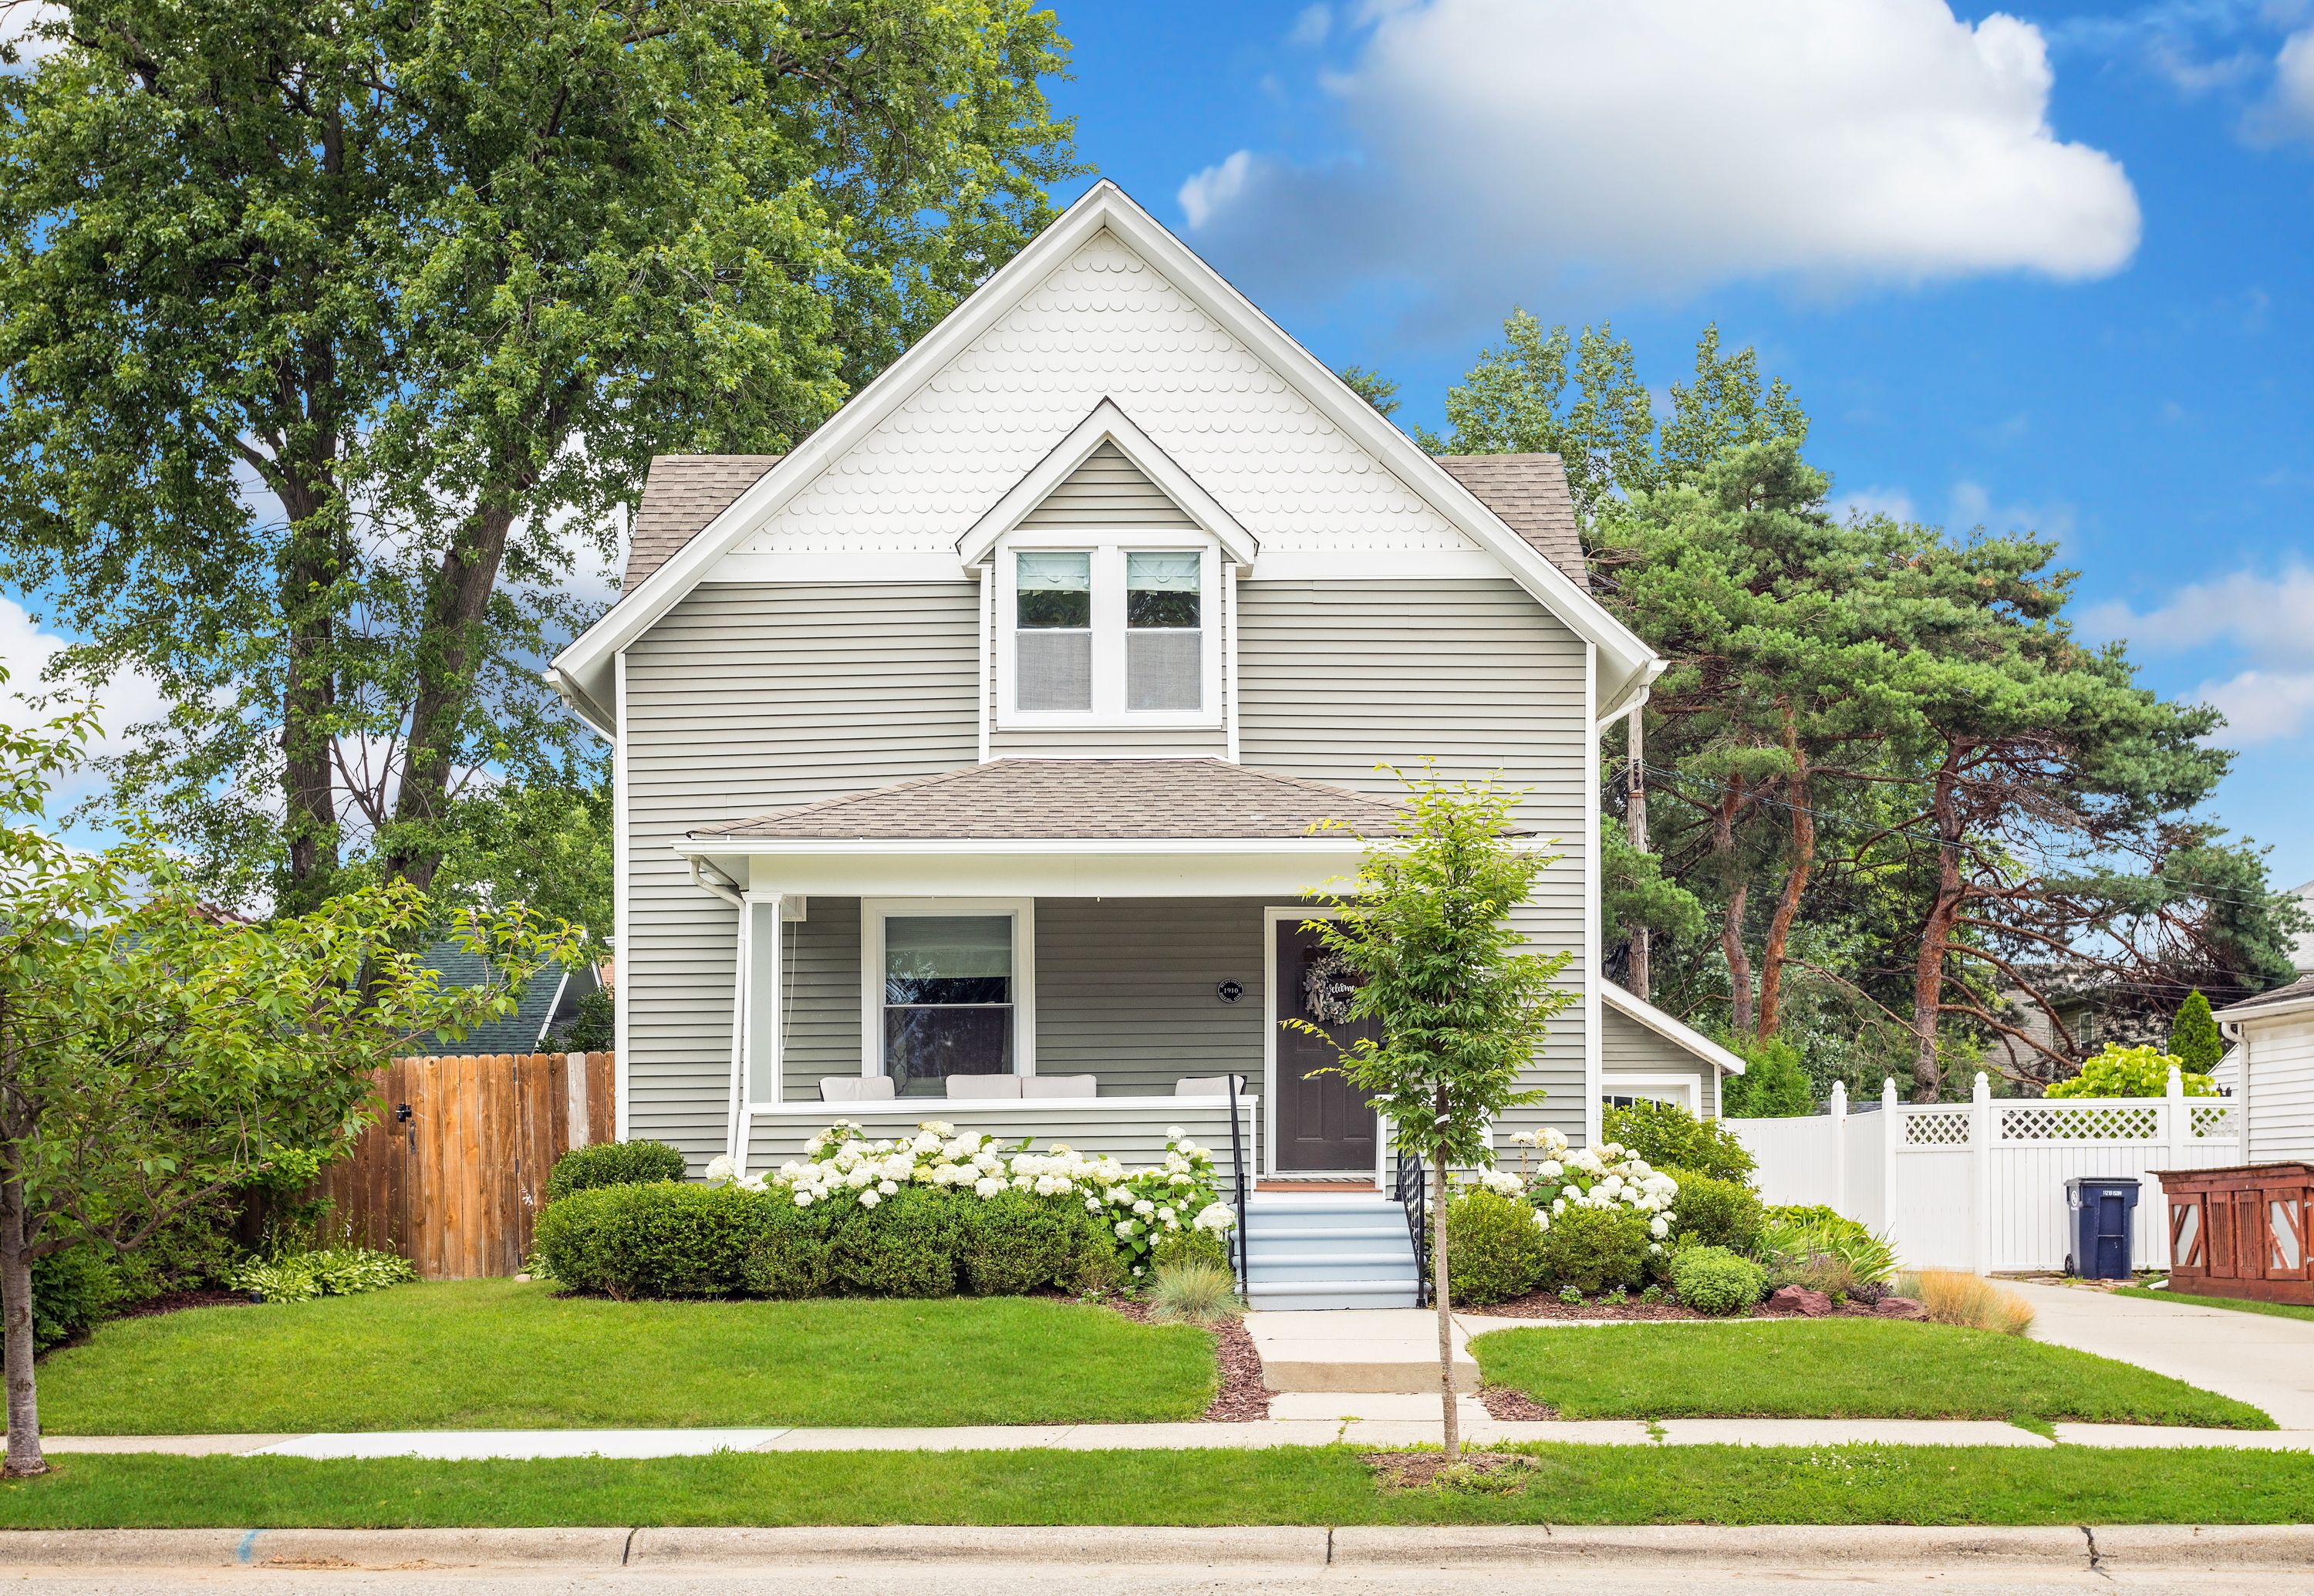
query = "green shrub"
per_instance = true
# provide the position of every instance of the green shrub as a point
(612, 1163)
(1773, 1084)
(2193, 1039)
(1017, 1243)
(1493, 1247)
(327, 1272)
(905, 1246)
(73, 1291)
(1669, 1137)
(1100, 1271)
(789, 1252)
(1822, 1251)
(1714, 1213)
(666, 1238)
(1182, 1246)
(1588, 1250)
(1714, 1279)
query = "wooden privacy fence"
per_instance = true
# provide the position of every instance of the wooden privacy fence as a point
(453, 1174)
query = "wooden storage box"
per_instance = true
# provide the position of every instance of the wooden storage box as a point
(2240, 1231)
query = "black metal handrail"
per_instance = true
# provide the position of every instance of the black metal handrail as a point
(1237, 1164)
(1413, 1190)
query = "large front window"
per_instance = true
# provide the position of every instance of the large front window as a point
(949, 999)
(1110, 635)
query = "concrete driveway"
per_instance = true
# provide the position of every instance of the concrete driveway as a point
(2257, 1358)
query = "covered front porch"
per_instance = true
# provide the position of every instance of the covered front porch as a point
(1088, 951)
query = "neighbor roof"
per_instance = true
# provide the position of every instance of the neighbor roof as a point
(1019, 799)
(1529, 492)
(685, 493)
(2298, 994)
(522, 1031)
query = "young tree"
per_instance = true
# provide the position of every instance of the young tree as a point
(1372, 386)
(155, 1054)
(1461, 1000)
(2194, 1039)
(1773, 1084)
(329, 336)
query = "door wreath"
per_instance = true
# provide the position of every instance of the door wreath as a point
(1328, 986)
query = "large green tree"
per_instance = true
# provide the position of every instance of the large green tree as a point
(328, 336)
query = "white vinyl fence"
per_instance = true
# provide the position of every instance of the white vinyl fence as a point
(1981, 1185)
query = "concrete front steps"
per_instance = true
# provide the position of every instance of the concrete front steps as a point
(1348, 1358)
(1327, 1250)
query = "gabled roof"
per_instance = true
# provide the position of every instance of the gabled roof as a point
(1625, 664)
(682, 496)
(1055, 799)
(1530, 493)
(1678, 1033)
(2283, 999)
(522, 1031)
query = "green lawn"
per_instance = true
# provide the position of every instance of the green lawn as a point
(1574, 1485)
(2240, 1304)
(1836, 1369)
(499, 1354)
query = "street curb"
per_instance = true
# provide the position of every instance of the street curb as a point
(1797, 1548)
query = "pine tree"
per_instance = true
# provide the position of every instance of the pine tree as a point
(2193, 1036)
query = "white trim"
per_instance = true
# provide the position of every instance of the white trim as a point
(982, 711)
(546, 1020)
(2250, 1008)
(1280, 875)
(1105, 423)
(742, 949)
(1230, 578)
(621, 858)
(1361, 564)
(1318, 847)
(1105, 206)
(1644, 1085)
(874, 911)
(1106, 549)
(934, 1108)
(1595, 1058)
(1679, 1035)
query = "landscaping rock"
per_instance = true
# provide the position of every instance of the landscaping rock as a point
(1797, 1299)
(1899, 1308)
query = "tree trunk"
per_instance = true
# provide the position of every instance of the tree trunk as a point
(1796, 881)
(456, 607)
(309, 699)
(17, 1333)
(1451, 1430)
(1635, 824)
(1936, 933)
(1731, 924)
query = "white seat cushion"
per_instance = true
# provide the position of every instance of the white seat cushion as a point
(1206, 1086)
(1060, 1086)
(855, 1089)
(984, 1086)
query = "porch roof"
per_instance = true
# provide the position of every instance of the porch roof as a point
(1076, 799)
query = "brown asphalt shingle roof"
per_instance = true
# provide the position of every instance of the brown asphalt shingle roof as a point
(1529, 492)
(684, 492)
(2303, 987)
(1024, 799)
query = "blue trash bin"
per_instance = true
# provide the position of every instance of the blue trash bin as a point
(2102, 1214)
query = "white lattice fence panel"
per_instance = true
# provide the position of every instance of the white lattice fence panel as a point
(2089, 1120)
(2216, 1119)
(1936, 1127)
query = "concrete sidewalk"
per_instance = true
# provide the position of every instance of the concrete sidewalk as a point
(2258, 1358)
(1390, 1426)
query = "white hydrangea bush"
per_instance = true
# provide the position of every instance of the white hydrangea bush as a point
(1141, 1208)
(1608, 1175)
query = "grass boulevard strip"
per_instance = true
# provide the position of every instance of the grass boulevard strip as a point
(1317, 1485)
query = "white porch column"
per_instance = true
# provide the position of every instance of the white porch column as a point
(763, 936)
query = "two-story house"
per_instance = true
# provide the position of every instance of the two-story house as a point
(968, 757)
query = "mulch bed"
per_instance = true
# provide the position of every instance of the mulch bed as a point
(1509, 1407)
(178, 1301)
(1242, 1395)
(1546, 1305)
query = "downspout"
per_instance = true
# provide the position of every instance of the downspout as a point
(727, 891)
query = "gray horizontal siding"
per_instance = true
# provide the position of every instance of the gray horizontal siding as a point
(1106, 490)
(1126, 990)
(1335, 677)
(1134, 1136)
(820, 989)
(1627, 1046)
(746, 697)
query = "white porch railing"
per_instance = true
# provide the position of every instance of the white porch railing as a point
(1981, 1185)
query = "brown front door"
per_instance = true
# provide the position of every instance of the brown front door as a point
(1323, 1121)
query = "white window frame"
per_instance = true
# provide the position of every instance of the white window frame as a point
(874, 912)
(1689, 1089)
(1107, 546)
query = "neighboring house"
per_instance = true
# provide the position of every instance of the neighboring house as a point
(1645, 1052)
(548, 1001)
(969, 758)
(2273, 1056)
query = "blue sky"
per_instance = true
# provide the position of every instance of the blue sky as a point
(2048, 269)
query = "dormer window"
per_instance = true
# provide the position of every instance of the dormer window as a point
(1107, 632)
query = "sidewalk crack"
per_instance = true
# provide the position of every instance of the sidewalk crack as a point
(2096, 1559)
(1329, 1546)
(628, 1548)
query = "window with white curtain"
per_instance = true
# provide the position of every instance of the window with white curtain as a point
(1111, 634)
(948, 1000)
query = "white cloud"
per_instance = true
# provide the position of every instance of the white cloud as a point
(18, 18)
(2261, 706)
(1973, 506)
(1312, 27)
(127, 699)
(1680, 142)
(2266, 619)
(1894, 503)
(2287, 110)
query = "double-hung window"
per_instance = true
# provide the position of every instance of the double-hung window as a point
(1114, 634)
(949, 1002)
